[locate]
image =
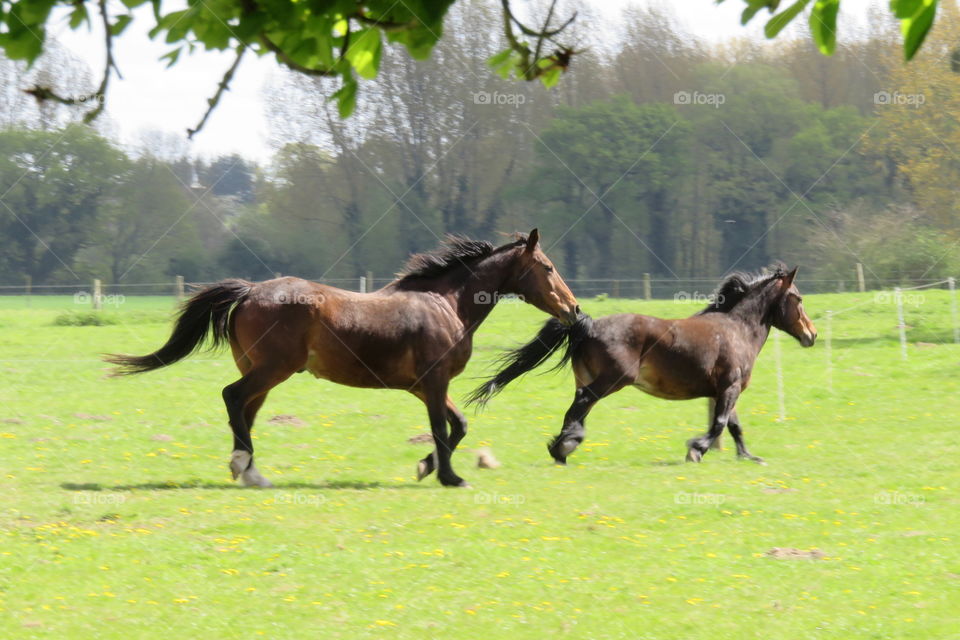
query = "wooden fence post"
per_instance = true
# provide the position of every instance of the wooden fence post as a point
(898, 296)
(178, 288)
(97, 295)
(646, 287)
(952, 284)
(370, 286)
(860, 281)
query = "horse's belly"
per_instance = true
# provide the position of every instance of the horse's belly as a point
(397, 374)
(650, 381)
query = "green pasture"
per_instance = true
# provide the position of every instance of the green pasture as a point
(118, 517)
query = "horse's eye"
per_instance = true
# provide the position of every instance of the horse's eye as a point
(548, 268)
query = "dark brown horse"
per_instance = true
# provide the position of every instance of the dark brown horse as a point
(414, 334)
(710, 354)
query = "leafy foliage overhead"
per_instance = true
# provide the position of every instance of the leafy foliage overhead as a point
(336, 38)
(915, 16)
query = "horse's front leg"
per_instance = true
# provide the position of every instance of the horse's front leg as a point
(434, 394)
(725, 403)
(458, 429)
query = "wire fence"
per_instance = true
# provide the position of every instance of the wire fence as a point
(901, 304)
(643, 288)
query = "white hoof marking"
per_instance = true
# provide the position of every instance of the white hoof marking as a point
(239, 461)
(252, 478)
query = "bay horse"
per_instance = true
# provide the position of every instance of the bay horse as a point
(710, 354)
(414, 334)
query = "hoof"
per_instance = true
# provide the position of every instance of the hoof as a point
(252, 478)
(567, 447)
(425, 468)
(455, 482)
(753, 458)
(239, 461)
(560, 462)
(422, 470)
(693, 455)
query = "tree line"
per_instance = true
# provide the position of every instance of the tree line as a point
(666, 155)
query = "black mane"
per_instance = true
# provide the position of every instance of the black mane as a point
(739, 284)
(456, 250)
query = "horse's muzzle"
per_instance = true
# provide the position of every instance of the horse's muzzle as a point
(571, 316)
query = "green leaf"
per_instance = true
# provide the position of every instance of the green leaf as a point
(130, 4)
(78, 16)
(551, 77)
(23, 44)
(905, 8)
(823, 25)
(346, 97)
(499, 59)
(364, 52)
(122, 21)
(776, 24)
(916, 27)
(172, 56)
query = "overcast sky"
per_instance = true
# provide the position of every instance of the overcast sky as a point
(153, 97)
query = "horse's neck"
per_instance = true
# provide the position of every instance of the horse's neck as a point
(475, 296)
(755, 320)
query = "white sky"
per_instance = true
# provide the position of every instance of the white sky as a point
(152, 97)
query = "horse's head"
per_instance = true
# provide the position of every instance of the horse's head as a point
(537, 281)
(789, 315)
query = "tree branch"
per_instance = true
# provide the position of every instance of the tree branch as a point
(223, 86)
(531, 68)
(43, 94)
(289, 62)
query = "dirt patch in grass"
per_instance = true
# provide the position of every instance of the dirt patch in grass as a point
(91, 416)
(795, 554)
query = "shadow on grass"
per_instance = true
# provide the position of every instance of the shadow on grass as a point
(332, 485)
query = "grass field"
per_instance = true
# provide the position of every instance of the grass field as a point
(118, 517)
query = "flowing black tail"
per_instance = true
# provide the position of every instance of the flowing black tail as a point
(553, 336)
(207, 311)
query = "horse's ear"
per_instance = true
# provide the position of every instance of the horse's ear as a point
(533, 240)
(788, 279)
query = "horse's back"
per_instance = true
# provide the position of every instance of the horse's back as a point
(377, 339)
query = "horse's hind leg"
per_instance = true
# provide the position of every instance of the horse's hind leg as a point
(458, 429)
(733, 425)
(243, 399)
(711, 410)
(574, 421)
